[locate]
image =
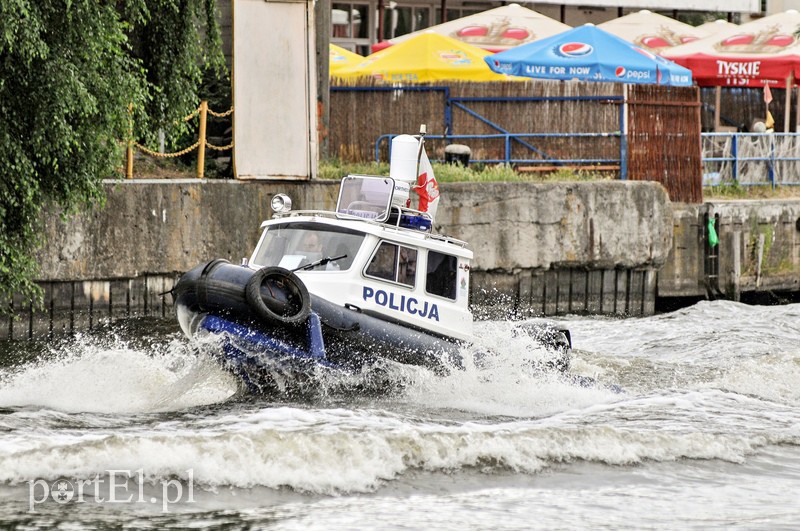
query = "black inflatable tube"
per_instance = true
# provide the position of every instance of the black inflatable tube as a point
(231, 291)
(271, 294)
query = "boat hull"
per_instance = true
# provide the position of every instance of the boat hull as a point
(271, 329)
(299, 333)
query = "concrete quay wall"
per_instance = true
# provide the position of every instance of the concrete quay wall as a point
(170, 226)
(758, 251)
(609, 247)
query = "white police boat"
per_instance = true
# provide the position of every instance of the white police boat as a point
(369, 282)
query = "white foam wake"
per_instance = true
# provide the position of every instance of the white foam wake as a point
(111, 377)
(341, 451)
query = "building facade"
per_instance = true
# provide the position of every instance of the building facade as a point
(358, 24)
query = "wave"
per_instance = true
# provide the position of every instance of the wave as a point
(706, 331)
(109, 375)
(509, 381)
(337, 451)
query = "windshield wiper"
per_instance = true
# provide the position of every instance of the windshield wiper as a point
(321, 261)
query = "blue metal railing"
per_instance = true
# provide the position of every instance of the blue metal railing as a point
(751, 159)
(542, 159)
(747, 159)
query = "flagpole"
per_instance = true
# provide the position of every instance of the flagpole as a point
(423, 129)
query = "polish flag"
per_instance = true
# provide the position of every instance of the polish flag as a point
(427, 187)
(767, 94)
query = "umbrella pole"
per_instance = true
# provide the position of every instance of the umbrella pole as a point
(788, 103)
(797, 111)
(717, 100)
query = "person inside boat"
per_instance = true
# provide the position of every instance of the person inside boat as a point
(310, 246)
(311, 243)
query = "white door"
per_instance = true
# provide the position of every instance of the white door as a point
(274, 89)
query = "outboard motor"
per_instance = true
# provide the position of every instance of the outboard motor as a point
(555, 340)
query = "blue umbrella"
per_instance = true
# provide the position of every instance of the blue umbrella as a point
(590, 54)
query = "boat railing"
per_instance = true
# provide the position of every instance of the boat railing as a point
(394, 225)
(448, 239)
(293, 213)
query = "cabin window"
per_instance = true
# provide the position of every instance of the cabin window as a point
(441, 275)
(396, 263)
(297, 245)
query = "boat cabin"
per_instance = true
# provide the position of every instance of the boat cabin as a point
(375, 255)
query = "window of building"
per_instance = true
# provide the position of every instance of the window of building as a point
(400, 20)
(349, 21)
(441, 275)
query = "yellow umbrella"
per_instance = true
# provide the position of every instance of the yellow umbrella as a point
(425, 57)
(341, 58)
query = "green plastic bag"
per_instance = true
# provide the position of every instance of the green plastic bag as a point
(713, 240)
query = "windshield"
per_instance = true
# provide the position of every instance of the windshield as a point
(365, 197)
(296, 245)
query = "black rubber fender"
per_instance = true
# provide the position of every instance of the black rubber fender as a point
(286, 299)
(202, 285)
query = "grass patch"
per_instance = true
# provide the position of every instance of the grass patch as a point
(450, 173)
(148, 167)
(334, 169)
(737, 191)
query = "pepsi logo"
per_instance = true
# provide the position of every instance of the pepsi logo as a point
(620, 71)
(574, 49)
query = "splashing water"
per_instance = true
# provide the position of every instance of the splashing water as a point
(510, 381)
(108, 375)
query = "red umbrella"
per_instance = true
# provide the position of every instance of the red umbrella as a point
(764, 51)
(715, 26)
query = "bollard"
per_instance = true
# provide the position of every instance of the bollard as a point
(129, 160)
(201, 146)
(457, 154)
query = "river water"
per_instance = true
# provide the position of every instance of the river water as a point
(133, 426)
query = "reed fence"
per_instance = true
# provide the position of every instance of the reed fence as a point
(663, 125)
(664, 139)
(740, 107)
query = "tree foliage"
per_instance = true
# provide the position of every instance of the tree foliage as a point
(70, 70)
(179, 45)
